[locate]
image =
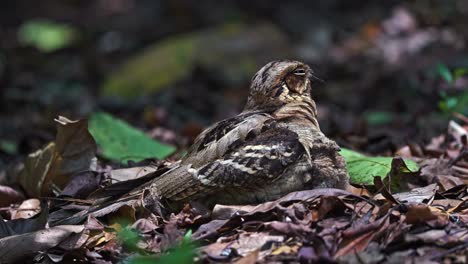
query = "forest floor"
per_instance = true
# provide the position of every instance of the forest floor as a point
(142, 80)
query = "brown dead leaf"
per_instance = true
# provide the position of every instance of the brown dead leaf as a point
(447, 204)
(420, 213)
(209, 230)
(75, 241)
(374, 256)
(218, 251)
(249, 259)
(440, 171)
(439, 236)
(250, 242)
(298, 196)
(356, 245)
(15, 248)
(448, 181)
(72, 152)
(460, 207)
(221, 212)
(33, 223)
(357, 190)
(416, 195)
(289, 229)
(265, 211)
(93, 224)
(357, 238)
(144, 226)
(241, 245)
(27, 209)
(126, 174)
(384, 190)
(81, 185)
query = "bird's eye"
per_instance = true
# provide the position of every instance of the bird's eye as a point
(299, 71)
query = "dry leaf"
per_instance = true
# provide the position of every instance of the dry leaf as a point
(72, 152)
(15, 248)
(27, 209)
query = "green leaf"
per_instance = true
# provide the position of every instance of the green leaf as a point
(129, 238)
(445, 73)
(156, 67)
(457, 103)
(379, 117)
(350, 154)
(46, 35)
(183, 254)
(187, 237)
(362, 169)
(121, 142)
(173, 59)
(8, 147)
(459, 73)
(451, 103)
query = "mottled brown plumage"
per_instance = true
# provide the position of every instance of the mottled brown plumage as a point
(273, 147)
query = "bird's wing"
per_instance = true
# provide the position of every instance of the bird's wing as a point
(264, 157)
(175, 182)
(218, 139)
(248, 162)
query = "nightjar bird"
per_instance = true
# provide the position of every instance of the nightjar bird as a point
(273, 147)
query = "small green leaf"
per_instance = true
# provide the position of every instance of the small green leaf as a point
(451, 102)
(379, 117)
(362, 169)
(445, 73)
(46, 35)
(456, 103)
(8, 147)
(187, 237)
(459, 73)
(129, 238)
(121, 142)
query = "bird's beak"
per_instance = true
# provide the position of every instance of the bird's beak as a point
(315, 77)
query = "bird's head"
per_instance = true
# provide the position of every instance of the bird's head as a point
(279, 83)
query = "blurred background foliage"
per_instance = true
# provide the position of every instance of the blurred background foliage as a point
(394, 71)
